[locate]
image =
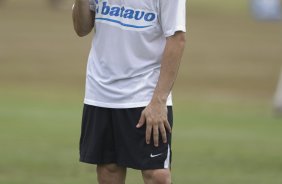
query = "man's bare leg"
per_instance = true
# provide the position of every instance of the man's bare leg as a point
(157, 176)
(111, 174)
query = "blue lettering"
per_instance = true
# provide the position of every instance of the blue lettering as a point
(129, 14)
(121, 11)
(150, 17)
(115, 11)
(105, 9)
(139, 16)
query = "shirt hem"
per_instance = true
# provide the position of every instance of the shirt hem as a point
(172, 31)
(121, 106)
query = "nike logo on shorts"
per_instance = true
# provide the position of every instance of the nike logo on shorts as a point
(152, 156)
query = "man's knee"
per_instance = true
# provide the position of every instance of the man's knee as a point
(109, 168)
(157, 176)
(111, 173)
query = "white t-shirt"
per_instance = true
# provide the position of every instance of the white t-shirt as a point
(124, 62)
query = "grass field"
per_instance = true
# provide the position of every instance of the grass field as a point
(224, 131)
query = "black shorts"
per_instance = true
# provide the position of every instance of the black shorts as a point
(110, 136)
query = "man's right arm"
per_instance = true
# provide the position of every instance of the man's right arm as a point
(83, 17)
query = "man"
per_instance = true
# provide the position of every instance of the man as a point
(132, 65)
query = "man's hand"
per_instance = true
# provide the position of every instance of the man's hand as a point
(155, 118)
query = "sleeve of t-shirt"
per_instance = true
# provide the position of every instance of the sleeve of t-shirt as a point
(172, 15)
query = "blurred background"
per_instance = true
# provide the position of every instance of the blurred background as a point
(226, 128)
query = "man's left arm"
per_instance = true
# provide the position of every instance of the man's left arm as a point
(155, 114)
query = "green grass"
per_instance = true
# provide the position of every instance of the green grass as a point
(229, 144)
(218, 142)
(224, 130)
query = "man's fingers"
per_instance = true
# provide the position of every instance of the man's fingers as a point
(156, 135)
(163, 133)
(141, 121)
(155, 127)
(167, 126)
(148, 133)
